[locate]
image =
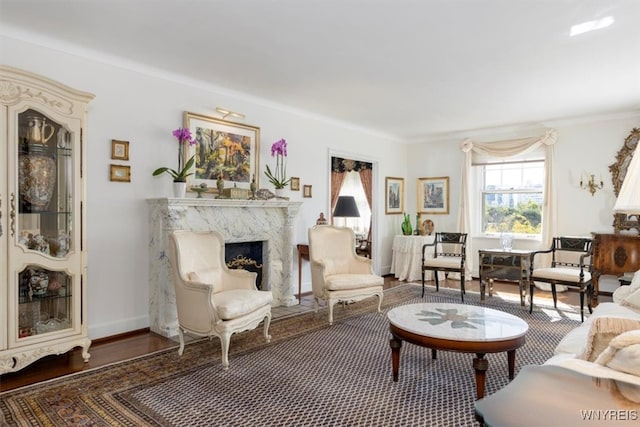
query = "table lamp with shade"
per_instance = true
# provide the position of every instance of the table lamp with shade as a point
(346, 207)
(629, 195)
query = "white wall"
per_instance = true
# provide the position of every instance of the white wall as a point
(144, 109)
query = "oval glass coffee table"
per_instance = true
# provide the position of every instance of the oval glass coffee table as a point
(457, 327)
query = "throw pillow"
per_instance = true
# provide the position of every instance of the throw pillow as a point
(632, 300)
(635, 281)
(208, 277)
(623, 353)
(602, 331)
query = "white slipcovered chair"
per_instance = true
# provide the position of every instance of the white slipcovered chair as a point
(213, 300)
(337, 273)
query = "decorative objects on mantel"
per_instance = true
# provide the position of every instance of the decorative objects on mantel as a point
(268, 221)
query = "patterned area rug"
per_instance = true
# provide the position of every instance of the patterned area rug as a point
(310, 374)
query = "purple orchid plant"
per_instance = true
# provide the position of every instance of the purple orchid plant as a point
(279, 177)
(184, 137)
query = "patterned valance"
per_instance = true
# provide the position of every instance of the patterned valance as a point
(339, 164)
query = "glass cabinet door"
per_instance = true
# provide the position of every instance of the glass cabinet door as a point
(44, 223)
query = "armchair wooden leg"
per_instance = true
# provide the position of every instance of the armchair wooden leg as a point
(531, 287)
(435, 274)
(224, 344)
(267, 322)
(462, 286)
(554, 293)
(181, 336)
(422, 283)
(582, 305)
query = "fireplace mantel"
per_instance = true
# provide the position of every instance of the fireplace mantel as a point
(270, 221)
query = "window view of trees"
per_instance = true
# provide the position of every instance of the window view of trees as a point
(512, 198)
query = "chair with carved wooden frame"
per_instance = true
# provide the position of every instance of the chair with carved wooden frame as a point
(337, 273)
(213, 300)
(571, 265)
(449, 253)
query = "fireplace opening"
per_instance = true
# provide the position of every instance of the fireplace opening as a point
(246, 256)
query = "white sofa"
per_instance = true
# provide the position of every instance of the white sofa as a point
(607, 344)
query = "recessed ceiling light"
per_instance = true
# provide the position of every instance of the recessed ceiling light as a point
(596, 24)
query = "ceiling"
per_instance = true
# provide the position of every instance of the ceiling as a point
(404, 69)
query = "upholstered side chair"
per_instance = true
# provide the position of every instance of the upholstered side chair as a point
(337, 273)
(571, 265)
(213, 300)
(449, 254)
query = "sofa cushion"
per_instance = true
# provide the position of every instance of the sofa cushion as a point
(602, 331)
(212, 276)
(632, 300)
(623, 353)
(576, 340)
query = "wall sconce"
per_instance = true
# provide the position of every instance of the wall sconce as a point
(226, 113)
(591, 184)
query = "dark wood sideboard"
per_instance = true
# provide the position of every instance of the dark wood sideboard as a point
(615, 254)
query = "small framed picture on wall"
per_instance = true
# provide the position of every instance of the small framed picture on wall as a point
(295, 183)
(306, 191)
(119, 150)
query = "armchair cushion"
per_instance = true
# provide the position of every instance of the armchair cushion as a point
(238, 302)
(443, 262)
(566, 274)
(211, 276)
(335, 266)
(340, 282)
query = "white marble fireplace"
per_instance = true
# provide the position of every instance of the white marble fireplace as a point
(268, 221)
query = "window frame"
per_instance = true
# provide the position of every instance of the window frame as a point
(482, 191)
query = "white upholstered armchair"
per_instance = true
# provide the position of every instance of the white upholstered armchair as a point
(337, 273)
(213, 300)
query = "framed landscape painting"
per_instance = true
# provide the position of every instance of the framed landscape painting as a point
(223, 148)
(433, 195)
(394, 195)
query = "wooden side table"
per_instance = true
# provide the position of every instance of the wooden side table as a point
(303, 252)
(510, 265)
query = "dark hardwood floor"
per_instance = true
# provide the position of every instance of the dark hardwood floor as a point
(138, 343)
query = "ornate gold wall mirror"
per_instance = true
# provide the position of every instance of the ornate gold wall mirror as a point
(618, 172)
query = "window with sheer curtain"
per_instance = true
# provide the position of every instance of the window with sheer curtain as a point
(352, 186)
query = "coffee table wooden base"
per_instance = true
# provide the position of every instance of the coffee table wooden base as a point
(480, 348)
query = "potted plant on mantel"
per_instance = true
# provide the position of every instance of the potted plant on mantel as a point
(183, 135)
(279, 177)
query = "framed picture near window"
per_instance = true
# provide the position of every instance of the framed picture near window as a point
(227, 149)
(295, 183)
(433, 195)
(394, 195)
(306, 191)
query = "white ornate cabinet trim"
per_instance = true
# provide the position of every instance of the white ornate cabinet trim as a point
(43, 259)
